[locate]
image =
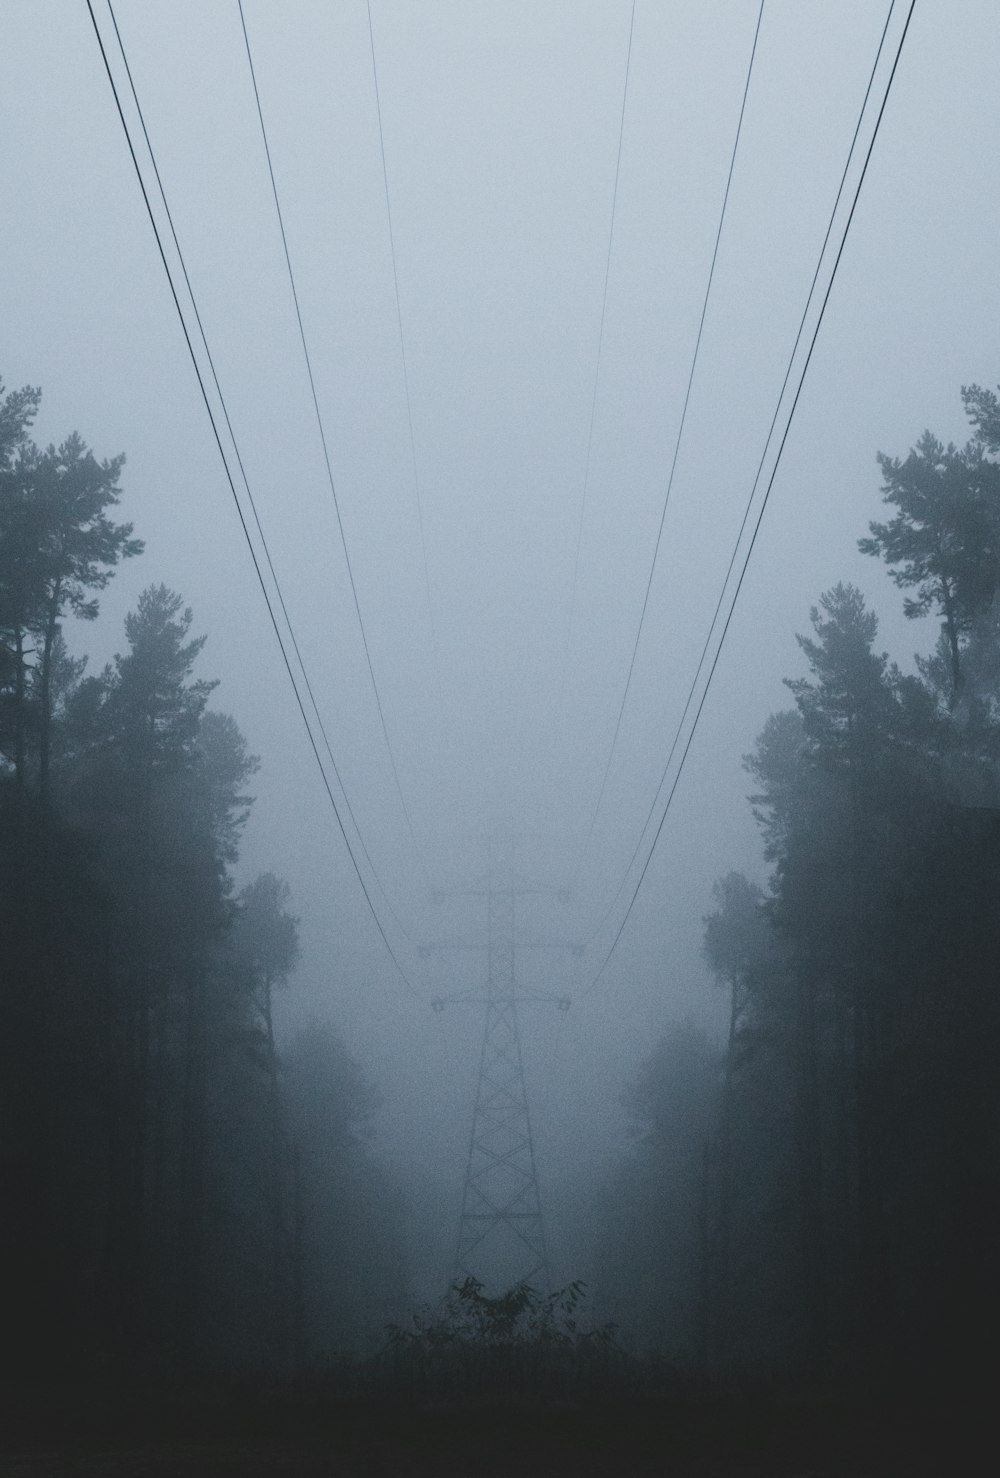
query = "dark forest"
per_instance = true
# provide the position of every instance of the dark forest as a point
(810, 1206)
(176, 1196)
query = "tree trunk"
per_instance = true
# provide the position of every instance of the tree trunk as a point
(812, 1249)
(874, 1288)
(704, 1311)
(724, 1227)
(45, 715)
(951, 628)
(136, 998)
(20, 730)
(275, 1175)
(298, 1269)
(192, 1177)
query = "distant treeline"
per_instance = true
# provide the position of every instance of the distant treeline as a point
(175, 1194)
(826, 1196)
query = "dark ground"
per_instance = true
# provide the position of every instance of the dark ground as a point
(74, 1432)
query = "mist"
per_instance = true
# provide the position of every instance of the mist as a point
(498, 731)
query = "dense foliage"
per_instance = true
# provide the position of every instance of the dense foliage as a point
(516, 1346)
(825, 1193)
(175, 1194)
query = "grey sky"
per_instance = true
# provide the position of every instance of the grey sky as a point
(501, 130)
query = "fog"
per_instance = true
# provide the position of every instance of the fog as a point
(543, 280)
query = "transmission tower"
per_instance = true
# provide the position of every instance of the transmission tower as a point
(501, 1231)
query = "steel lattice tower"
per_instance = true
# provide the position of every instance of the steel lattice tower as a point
(501, 1233)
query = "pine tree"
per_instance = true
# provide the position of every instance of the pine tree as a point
(943, 540)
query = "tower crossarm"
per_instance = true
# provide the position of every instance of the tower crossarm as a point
(525, 997)
(534, 941)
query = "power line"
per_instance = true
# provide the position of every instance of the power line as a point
(756, 482)
(402, 340)
(753, 539)
(232, 487)
(600, 337)
(322, 435)
(245, 480)
(677, 443)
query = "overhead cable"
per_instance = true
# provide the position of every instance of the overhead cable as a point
(677, 447)
(756, 483)
(763, 506)
(229, 475)
(322, 436)
(600, 337)
(246, 483)
(402, 339)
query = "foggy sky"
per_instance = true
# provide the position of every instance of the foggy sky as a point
(501, 134)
